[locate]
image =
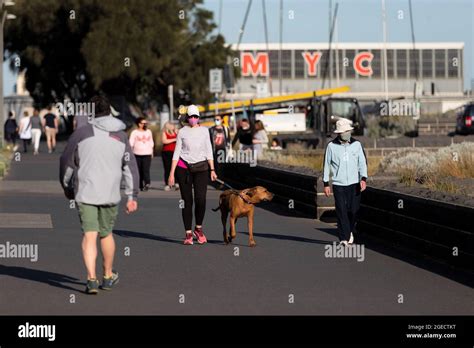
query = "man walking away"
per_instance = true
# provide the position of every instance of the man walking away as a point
(345, 162)
(97, 157)
(50, 125)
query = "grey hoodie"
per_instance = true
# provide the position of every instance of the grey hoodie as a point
(96, 158)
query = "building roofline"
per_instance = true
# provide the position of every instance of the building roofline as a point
(348, 45)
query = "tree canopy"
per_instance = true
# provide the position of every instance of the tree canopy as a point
(133, 48)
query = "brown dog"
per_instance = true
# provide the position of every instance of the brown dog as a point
(240, 204)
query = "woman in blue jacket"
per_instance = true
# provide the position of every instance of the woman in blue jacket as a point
(345, 163)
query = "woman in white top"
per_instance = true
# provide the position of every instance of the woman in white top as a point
(192, 160)
(25, 131)
(260, 138)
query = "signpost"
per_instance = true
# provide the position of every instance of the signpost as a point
(215, 84)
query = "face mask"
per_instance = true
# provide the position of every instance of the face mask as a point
(193, 121)
(346, 136)
(218, 122)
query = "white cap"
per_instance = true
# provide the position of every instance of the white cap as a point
(343, 125)
(193, 110)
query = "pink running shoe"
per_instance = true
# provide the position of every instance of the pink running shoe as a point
(201, 238)
(189, 239)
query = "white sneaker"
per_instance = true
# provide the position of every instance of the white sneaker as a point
(167, 188)
(351, 239)
(343, 242)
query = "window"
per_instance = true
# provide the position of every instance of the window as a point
(454, 63)
(285, 63)
(350, 72)
(414, 63)
(440, 63)
(427, 63)
(377, 64)
(300, 65)
(401, 63)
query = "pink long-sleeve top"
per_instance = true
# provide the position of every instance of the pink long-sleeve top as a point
(142, 142)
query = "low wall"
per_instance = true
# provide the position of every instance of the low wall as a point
(442, 231)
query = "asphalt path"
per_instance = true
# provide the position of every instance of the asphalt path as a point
(286, 273)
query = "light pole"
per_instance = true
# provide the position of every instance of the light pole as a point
(5, 16)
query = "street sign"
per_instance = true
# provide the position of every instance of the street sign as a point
(215, 80)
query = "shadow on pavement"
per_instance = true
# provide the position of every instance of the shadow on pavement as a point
(411, 257)
(291, 238)
(53, 279)
(131, 234)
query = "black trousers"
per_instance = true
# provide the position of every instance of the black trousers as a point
(219, 161)
(144, 163)
(167, 157)
(26, 142)
(186, 183)
(347, 199)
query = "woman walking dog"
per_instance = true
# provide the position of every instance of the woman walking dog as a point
(192, 160)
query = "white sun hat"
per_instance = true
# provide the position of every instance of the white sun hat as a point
(343, 125)
(193, 110)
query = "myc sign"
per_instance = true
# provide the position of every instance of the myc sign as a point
(259, 64)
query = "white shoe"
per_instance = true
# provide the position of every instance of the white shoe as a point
(176, 187)
(167, 188)
(343, 242)
(351, 239)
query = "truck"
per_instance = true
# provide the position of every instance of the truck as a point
(311, 116)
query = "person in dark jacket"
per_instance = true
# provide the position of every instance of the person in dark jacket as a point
(10, 129)
(244, 135)
(98, 156)
(220, 141)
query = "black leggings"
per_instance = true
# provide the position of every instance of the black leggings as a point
(186, 182)
(26, 142)
(144, 163)
(167, 157)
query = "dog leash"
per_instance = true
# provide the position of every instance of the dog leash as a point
(233, 191)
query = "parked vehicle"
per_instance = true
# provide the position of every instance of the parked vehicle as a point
(465, 119)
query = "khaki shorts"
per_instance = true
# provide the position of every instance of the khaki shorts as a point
(97, 218)
(50, 132)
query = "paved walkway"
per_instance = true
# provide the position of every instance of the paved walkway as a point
(288, 262)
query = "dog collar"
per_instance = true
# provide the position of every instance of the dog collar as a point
(244, 199)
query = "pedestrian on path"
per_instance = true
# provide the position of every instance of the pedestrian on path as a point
(143, 147)
(260, 138)
(96, 159)
(25, 131)
(51, 126)
(192, 161)
(10, 130)
(36, 126)
(168, 138)
(244, 135)
(220, 140)
(346, 164)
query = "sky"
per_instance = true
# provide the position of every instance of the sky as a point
(358, 21)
